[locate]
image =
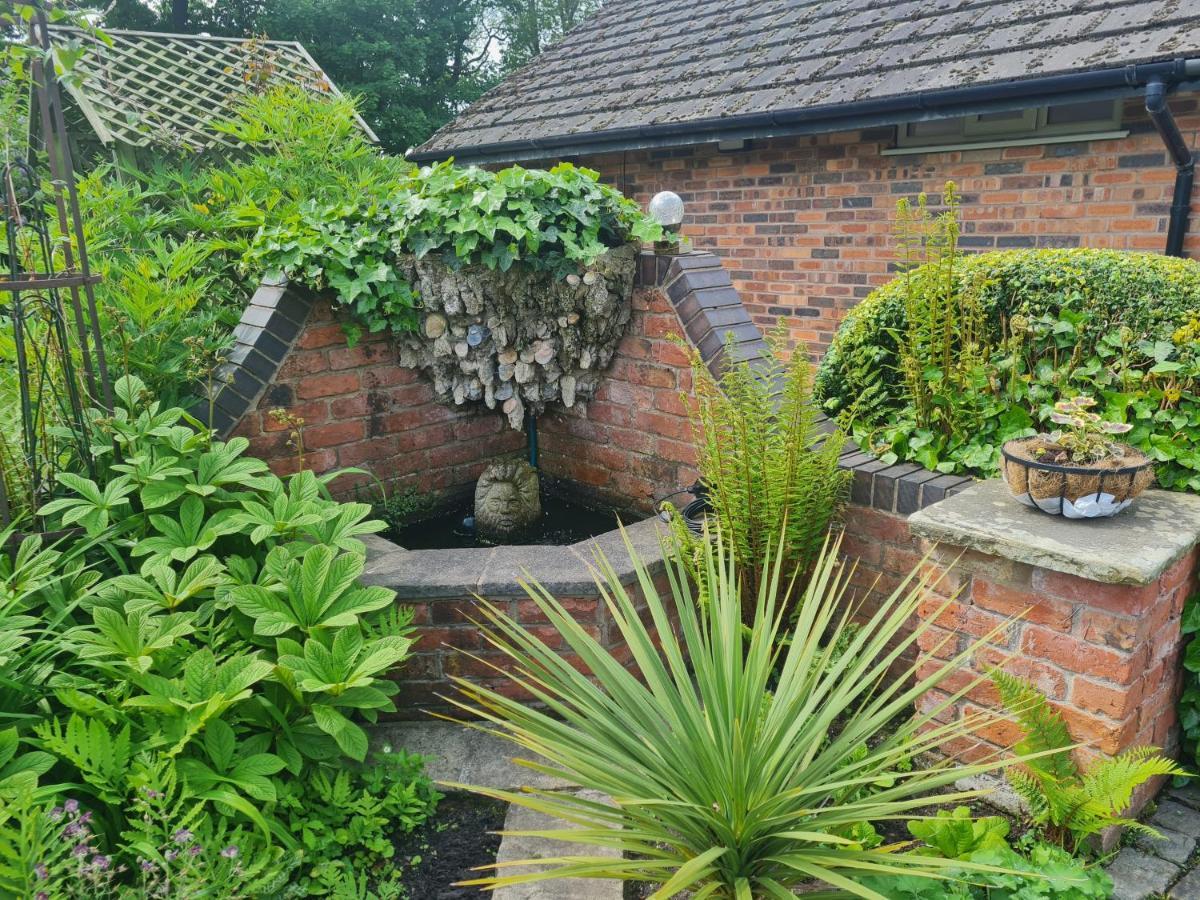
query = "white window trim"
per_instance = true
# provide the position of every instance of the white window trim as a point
(914, 149)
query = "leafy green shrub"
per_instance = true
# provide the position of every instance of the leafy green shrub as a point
(1189, 700)
(200, 662)
(1069, 805)
(736, 769)
(1031, 870)
(1120, 327)
(768, 465)
(1042, 871)
(549, 221)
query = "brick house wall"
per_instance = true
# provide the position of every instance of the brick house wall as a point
(804, 223)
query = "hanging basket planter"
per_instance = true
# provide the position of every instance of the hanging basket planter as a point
(1040, 475)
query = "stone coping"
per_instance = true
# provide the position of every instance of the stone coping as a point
(1134, 547)
(564, 570)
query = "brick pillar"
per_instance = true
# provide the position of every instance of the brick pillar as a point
(1100, 603)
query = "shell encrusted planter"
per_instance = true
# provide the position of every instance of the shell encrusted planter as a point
(443, 588)
(1074, 490)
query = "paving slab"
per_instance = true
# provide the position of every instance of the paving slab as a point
(1176, 817)
(464, 755)
(1173, 846)
(1134, 547)
(1188, 794)
(515, 847)
(1188, 887)
(1137, 875)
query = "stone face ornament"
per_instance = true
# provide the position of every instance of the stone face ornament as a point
(530, 337)
(507, 500)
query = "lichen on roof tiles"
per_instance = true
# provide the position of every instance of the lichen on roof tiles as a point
(638, 63)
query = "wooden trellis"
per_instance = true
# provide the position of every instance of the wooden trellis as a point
(167, 90)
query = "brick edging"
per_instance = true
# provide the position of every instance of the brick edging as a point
(264, 336)
(710, 307)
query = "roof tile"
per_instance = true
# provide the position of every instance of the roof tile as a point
(639, 63)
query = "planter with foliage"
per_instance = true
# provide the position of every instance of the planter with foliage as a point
(1076, 472)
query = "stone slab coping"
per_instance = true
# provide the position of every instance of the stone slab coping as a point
(1134, 547)
(563, 570)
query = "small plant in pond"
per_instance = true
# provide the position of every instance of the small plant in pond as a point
(1084, 435)
(1069, 804)
(737, 769)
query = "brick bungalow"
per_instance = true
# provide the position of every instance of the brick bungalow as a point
(791, 127)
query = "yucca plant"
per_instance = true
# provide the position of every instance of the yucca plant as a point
(768, 459)
(1066, 803)
(739, 764)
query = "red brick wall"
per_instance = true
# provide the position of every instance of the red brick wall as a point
(804, 223)
(360, 408)
(631, 443)
(450, 644)
(1107, 656)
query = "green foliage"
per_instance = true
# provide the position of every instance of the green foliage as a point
(1067, 804)
(939, 347)
(412, 65)
(1189, 700)
(769, 465)
(198, 668)
(548, 221)
(345, 821)
(722, 786)
(1044, 871)
(1084, 435)
(1119, 327)
(954, 834)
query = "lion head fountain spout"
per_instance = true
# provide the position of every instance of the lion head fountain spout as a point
(507, 501)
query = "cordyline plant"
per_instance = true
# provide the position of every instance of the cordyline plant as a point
(739, 765)
(1084, 435)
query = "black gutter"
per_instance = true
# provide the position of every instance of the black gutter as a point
(1185, 164)
(1066, 88)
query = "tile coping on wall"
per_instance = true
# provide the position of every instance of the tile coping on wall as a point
(698, 288)
(563, 570)
(1134, 548)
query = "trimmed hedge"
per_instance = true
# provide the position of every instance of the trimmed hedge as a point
(1119, 326)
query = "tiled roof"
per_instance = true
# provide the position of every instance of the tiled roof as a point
(649, 63)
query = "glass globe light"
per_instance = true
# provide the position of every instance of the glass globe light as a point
(667, 209)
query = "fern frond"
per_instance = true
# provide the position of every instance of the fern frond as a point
(1045, 730)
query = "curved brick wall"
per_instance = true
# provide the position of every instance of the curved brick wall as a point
(629, 445)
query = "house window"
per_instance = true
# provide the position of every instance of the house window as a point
(1048, 124)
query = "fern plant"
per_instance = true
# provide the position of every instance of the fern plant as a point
(768, 460)
(942, 346)
(1067, 803)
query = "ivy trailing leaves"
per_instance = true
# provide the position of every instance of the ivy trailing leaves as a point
(558, 221)
(193, 669)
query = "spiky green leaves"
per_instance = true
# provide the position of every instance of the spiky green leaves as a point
(739, 761)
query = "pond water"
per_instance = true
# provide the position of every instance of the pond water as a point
(566, 519)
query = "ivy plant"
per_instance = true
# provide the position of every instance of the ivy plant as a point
(558, 220)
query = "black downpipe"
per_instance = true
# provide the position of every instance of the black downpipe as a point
(1185, 164)
(531, 437)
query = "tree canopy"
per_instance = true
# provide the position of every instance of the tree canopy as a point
(413, 64)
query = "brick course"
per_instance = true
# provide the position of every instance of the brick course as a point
(1107, 656)
(804, 223)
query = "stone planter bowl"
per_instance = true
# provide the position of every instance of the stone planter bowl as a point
(1076, 491)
